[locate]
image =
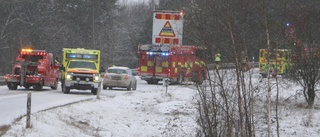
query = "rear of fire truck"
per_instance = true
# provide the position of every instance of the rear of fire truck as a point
(178, 63)
(80, 70)
(274, 63)
(33, 68)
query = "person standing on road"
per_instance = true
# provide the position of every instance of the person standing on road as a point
(217, 60)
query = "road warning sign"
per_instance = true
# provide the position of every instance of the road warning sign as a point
(167, 27)
(167, 30)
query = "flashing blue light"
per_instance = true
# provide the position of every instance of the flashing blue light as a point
(288, 24)
(86, 56)
(72, 56)
(165, 54)
(150, 53)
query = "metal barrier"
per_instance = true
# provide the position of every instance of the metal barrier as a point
(230, 65)
(2, 82)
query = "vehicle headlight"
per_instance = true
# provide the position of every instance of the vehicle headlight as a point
(96, 78)
(69, 76)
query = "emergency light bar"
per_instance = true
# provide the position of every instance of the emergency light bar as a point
(81, 56)
(158, 53)
(33, 52)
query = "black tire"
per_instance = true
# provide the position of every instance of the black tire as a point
(110, 87)
(155, 81)
(201, 79)
(104, 87)
(65, 89)
(27, 87)
(12, 86)
(55, 85)
(129, 87)
(135, 86)
(39, 86)
(180, 78)
(149, 81)
(94, 91)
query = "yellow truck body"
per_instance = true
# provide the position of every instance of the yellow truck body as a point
(274, 63)
(80, 70)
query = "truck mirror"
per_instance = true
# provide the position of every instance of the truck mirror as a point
(102, 69)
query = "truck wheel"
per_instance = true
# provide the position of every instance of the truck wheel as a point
(12, 86)
(94, 91)
(155, 81)
(149, 82)
(55, 85)
(180, 78)
(200, 81)
(39, 86)
(65, 89)
(129, 87)
(27, 87)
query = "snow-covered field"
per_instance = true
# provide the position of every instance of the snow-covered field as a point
(151, 111)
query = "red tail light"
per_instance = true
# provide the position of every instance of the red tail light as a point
(126, 77)
(106, 76)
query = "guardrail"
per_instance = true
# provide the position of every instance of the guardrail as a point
(230, 65)
(2, 82)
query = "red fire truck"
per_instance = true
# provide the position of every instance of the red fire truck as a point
(179, 63)
(36, 68)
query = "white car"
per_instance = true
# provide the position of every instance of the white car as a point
(121, 77)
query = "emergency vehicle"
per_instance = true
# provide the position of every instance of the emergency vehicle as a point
(80, 70)
(36, 68)
(278, 64)
(179, 63)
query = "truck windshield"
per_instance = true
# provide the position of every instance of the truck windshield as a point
(79, 64)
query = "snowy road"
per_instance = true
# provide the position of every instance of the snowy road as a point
(13, 103)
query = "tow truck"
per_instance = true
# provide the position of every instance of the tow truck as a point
(33, 68)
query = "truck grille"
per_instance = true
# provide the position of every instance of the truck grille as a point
(82, 77)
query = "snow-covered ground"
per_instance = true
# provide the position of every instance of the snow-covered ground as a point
(151, 111)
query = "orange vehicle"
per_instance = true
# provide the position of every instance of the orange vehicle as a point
(36, 68)
(178, 63)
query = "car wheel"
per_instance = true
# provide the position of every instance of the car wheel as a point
(129, 87)
(110, 87)
(104, 87)
(135, 86)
